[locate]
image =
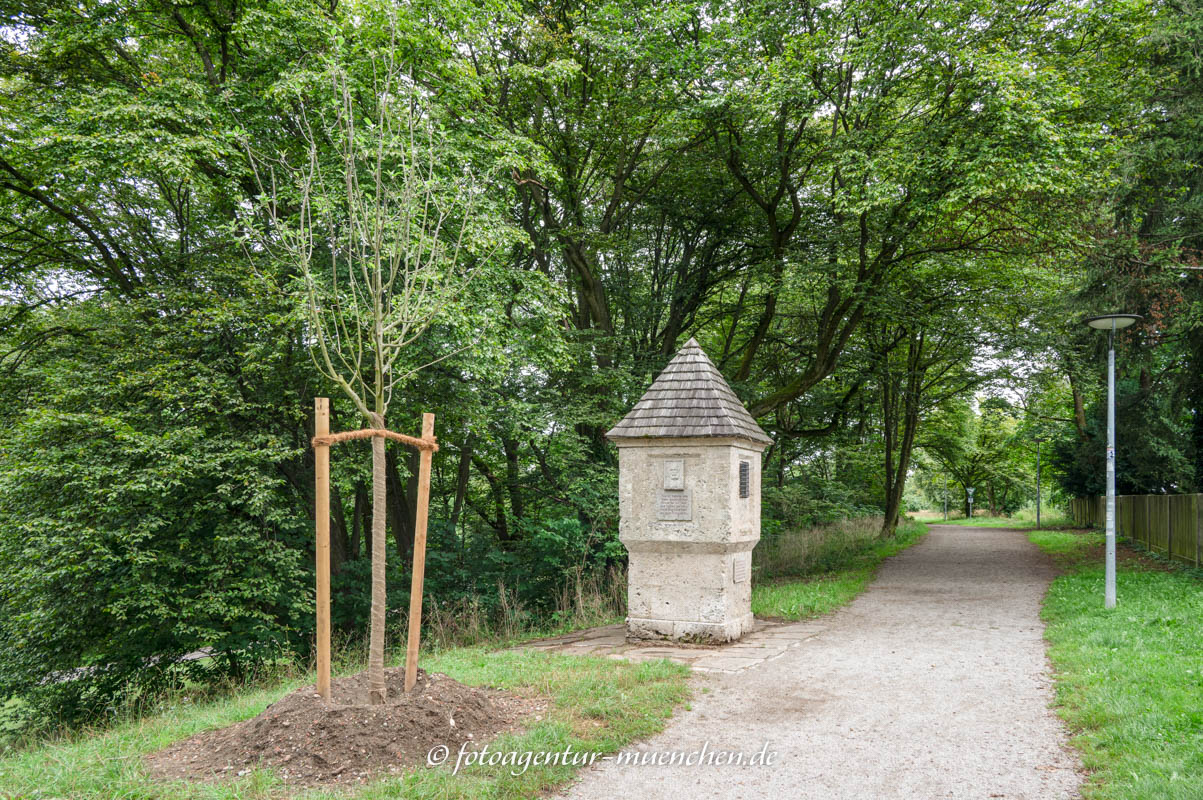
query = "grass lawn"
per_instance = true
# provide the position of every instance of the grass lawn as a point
(817, 594)
(599, 705)
(1022, 520)
(1129, 680)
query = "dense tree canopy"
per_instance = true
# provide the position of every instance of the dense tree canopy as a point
(871, 213)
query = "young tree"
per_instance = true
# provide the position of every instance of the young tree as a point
(380, 239)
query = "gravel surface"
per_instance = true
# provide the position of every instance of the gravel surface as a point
(931, 684)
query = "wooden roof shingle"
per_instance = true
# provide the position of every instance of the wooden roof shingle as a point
(689, 398)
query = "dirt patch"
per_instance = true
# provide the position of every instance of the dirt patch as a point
(309, 742)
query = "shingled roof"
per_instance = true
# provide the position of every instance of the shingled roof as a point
(689, 398)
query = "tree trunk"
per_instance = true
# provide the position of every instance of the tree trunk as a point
(500, 525)
(898, 489)
(357, 519)
(461, 478)
(402, 495)
(510, 446)
(376, 688)
(889, 432)
(1079, 406)
(339, 540)
(896, 473)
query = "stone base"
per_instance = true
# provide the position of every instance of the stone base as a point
(688, 631)
(689, 596)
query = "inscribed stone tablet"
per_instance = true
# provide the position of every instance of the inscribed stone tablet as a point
(674, 506)
(674, 474)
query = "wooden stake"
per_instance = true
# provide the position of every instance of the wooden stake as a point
(415, 591)
(321, 471)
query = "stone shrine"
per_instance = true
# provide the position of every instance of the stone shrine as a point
(689, 499)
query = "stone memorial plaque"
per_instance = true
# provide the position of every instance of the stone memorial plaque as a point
(674, 474)
(741, 568)
(674, 506)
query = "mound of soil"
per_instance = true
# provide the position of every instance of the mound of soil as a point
(310, 742)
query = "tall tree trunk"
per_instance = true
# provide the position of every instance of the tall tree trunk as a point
(906, 448)
(402, 496)
(499, 525)
(461, 478)
(1079, 405)
(376, 688)
(357, 519)
(910, 404)
(510, 446)
(339, 540)
(889, 432)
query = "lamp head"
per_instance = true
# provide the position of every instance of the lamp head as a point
(1112, 322)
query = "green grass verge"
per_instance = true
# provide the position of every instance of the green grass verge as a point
(1129, 680)
(815, 595)
(598, 705)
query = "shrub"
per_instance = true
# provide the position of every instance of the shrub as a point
(125, 549)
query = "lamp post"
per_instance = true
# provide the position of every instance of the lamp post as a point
(1038, 440)
(1111, 323)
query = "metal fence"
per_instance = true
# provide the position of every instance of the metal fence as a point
(1170, 524)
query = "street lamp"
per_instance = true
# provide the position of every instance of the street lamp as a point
(1038, 440)
(1111, 323)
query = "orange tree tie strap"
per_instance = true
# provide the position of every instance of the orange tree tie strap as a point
(368, 433)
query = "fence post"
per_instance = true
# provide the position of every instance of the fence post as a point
(1148, 522)
(1196, 527)
(1169, 525)
(321, 474)
(419, 571)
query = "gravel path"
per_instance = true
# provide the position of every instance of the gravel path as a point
(932, 684)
